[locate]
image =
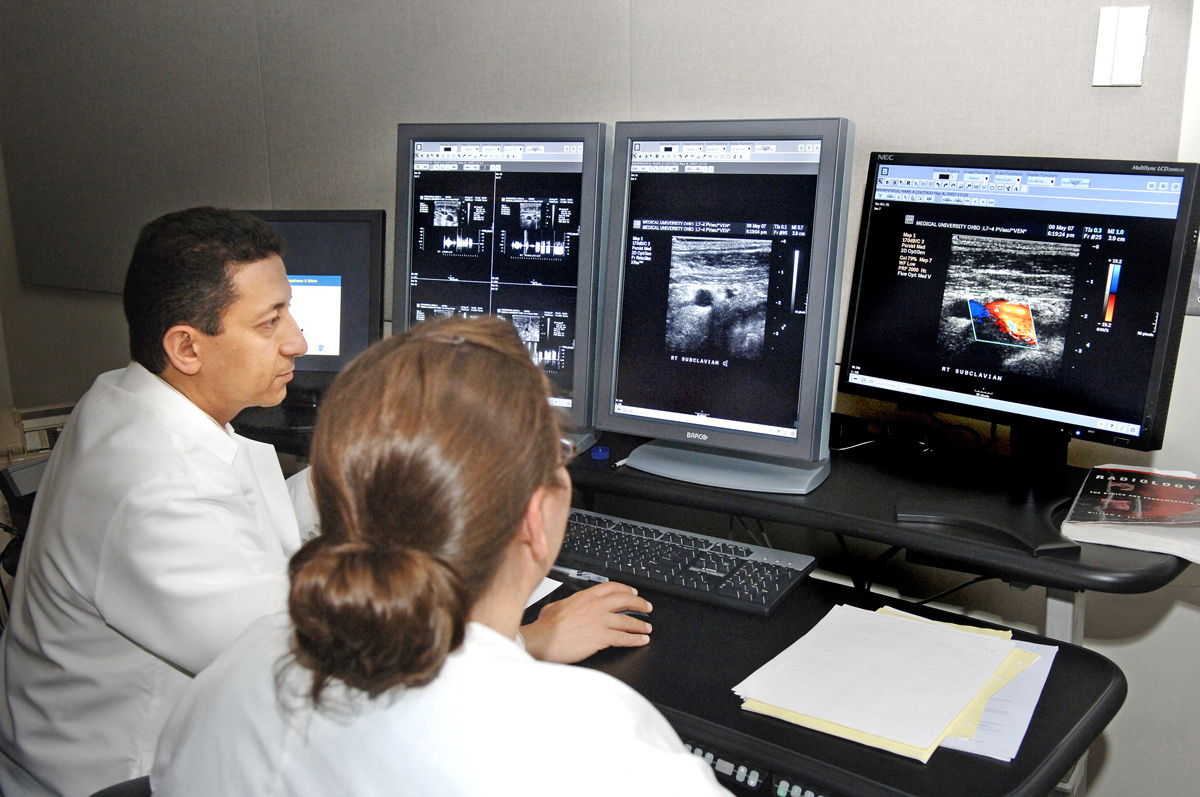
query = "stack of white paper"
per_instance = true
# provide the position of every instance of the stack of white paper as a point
(893, 681)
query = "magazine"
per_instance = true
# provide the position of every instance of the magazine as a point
(1146, 509)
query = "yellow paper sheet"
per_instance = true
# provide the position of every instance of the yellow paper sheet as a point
(970, 629)
(963, 725)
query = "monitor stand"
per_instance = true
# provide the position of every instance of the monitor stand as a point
(582, 438)
(1035, 479)
(729, 469)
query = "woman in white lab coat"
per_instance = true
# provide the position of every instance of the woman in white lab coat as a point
(440, 478)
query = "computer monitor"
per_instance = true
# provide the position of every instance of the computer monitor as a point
(1041, 293)
(721, 298)
(504, 219)
(334, 262)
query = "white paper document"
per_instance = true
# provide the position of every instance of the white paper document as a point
(547, 586)
(893, 677)
(1009, 711)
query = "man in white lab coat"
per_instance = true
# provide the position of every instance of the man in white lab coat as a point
(159, 534)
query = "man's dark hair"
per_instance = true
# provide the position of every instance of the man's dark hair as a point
(182, 273)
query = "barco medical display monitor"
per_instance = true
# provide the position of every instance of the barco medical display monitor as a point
(334, 261)
(503, 219)
(722, 295)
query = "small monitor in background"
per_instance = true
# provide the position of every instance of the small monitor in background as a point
(334, 261)
(1040, 293)
(721, 298)
(504, 219)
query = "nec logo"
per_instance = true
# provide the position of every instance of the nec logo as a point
(885, 157)
(697, 436)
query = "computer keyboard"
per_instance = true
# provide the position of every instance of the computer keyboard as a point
(749, 578)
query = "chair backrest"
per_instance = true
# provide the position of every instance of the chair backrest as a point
(18, 485)
(138, 787)
(22, 478)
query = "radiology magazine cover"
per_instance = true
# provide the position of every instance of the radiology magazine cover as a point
(1145, 510)
(1130, 496)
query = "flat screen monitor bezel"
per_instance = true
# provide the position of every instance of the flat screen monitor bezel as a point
(594, 138)
(814, 401)
(1154, 413)
(306, 377)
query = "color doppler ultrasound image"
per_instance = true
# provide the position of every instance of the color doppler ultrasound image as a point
(717, 298)
(1006, 304)
(1007, 321)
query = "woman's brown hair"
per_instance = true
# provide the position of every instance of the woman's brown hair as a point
(425, 455)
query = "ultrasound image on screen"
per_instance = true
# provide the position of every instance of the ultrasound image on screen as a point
(537, 232)
(717, 299)
(445, 212)
(713, 295)
(528, 326)
(1006, 304)
(545, 320)
(531, 215)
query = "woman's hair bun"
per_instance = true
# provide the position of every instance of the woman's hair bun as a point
(374, 617)
(428, 449)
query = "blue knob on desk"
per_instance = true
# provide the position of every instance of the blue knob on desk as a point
(600, 452)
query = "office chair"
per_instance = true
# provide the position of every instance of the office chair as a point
(138, 787)
(18, 486)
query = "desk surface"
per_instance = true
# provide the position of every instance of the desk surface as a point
(698, 653)
(860, 497)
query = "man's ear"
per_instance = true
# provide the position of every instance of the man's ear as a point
(533, 526)
(179, 344)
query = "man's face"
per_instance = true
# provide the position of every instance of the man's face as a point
(250, 362)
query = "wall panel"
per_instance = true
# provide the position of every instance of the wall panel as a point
(1008, 78)
(337, 79)
(115, 112)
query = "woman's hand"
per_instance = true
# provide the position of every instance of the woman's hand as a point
(574, 628)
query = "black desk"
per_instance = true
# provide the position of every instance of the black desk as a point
(698, 653)
(860, 497)
(288, 427)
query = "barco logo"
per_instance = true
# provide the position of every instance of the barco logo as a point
(697, 436)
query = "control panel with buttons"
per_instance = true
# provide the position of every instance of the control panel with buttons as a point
(743, 777)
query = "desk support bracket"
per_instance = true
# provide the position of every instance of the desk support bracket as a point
(1064, 615)
(1064, 622)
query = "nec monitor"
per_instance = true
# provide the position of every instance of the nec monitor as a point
(1045, 294)
(722, 295)
(504, 219)
(334, 261)
(1024, 289)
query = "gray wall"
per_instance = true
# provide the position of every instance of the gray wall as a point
(8, 261)
(114, 111)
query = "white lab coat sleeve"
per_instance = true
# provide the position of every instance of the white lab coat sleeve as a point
(304, 502)
(185, 568)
